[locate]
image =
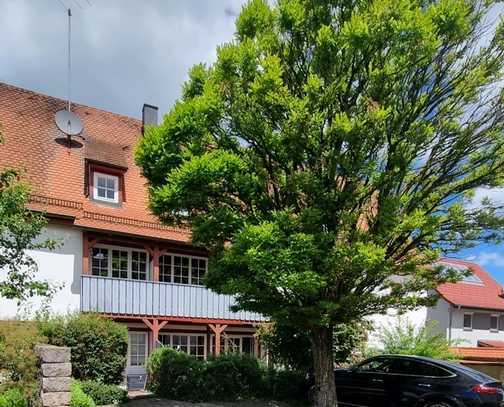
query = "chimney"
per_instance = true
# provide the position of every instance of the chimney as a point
(149, 116)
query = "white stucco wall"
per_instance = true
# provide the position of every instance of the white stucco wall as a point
(61, 266)
(470, 338)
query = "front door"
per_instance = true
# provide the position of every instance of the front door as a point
(137, 356)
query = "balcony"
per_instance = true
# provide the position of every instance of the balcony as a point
(156, 299)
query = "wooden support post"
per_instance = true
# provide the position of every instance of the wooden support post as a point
(217, 329)
(155, 326)
(85, 254)
(155, 264)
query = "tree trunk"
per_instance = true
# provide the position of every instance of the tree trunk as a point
(323, 366)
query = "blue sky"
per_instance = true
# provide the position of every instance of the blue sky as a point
(130, 52)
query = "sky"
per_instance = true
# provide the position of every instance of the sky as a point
(128, 52)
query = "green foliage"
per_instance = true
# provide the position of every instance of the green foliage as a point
(404, 338)
(13, 398)
(18, 360)
(78, 398)
(176, 375)
(332, 146)
(99, 345)
(103, 394)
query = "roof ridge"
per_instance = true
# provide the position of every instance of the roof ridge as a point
(45, 95)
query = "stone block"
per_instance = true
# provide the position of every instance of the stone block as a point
(54, 399)
(53, 354)
(50, 384)
(56, 369)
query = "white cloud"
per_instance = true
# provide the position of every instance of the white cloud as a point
(490, 259)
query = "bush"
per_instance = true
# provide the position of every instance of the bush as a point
(233, 377)
(99, 345)
(13, 398)
(78, 398)
(175, 375)
(18, 361)
(103, 394)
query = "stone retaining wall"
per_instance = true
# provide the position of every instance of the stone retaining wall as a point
(55, 375)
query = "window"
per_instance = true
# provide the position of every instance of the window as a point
(182, 269)
(137, 348)
(192, 344)
(105, 187)
(165, 269)
(138, 265)
(119, 262)
(378, 365)
(238, 344)
(416, 368)
(99, 264)
(468, 322)
(472, 278)
(494, 323)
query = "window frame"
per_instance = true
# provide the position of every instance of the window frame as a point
(146, 336)
(188, 345)
(496, 316)
(117, 181)
(172, 268)
(130, 250)
(232, 336)
(471, 315)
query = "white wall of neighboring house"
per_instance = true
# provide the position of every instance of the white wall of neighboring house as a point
(480, 326)
(62, 266)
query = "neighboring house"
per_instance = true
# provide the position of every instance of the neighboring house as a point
(469, 312)
(115, 258)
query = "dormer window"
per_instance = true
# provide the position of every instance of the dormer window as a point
(105, 187)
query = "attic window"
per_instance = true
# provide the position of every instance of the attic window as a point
(105, 187)
(472, 279)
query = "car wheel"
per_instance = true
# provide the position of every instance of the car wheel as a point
(437, 404)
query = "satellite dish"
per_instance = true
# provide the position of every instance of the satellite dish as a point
(68, 122)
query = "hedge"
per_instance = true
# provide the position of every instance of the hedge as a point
(176, 375)
(99, 345)
(13, 398)
(78, 398)
(104, 394)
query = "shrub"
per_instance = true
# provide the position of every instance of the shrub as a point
(13, 398)
(79, 398)
(99, 345)
(233, 377)
(18, 360)
(102, 393)
(176, 375)
(288, 385)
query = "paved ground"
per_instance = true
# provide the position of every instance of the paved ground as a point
(154, 402)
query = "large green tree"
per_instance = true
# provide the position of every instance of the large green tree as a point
(329, 155)
(19, 232)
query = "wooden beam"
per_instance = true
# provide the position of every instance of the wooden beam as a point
(218, 329)
(155, 264)
(85, 254)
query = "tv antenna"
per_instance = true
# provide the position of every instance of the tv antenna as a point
(66, 120)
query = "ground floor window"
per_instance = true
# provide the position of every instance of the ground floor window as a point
(137, 349)
(192, 344)
(120, 262)
(240, 344)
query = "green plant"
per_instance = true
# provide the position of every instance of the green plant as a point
(78, 398)
(233, 377)
(287, 385)
(18, 360)
(176, 375)
(13, 398)
(103, 394)
(99, 345)
(404, 338)
(332, 146)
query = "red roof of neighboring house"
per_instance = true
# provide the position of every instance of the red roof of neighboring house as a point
(485, 343)
(484, 294)
(33, 143)
(480, 354)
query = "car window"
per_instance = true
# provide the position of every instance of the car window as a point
(380, 365)
(417, 368)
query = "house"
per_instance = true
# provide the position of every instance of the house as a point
(114, 257)
(470, 313)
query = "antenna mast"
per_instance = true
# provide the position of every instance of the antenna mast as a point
(69, 78)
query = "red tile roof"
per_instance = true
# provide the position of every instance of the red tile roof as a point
(480, 354)
(485, 295)
(485, 343)
(33, 143)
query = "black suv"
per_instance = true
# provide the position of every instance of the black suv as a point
(397, 381)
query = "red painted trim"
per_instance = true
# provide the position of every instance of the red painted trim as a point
(184, 319)
(117, 172)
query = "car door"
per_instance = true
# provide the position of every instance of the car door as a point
(364, 384)
(411, 380)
